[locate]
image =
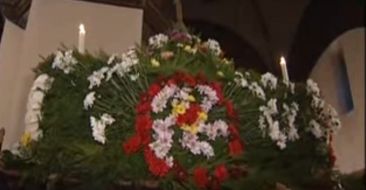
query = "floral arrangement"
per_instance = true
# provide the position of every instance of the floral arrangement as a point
(174, 111)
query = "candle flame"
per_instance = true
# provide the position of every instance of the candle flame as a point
(283, 61)
(82, 28)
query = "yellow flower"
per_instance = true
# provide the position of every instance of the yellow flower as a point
(25, 139)
(191, 98)
(180, 45)
(202, 116)
(155, 63)
(220, 73)
(189, 49)
(193, 129)
(179, 109)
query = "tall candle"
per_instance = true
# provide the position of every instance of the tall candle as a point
(284, 69)
(82, 32)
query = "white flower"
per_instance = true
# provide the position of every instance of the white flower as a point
(210, 99)
(312, 87)
(160, 100)
(34, 131)
(96, 78)
(274, 131)
(292, 87)
(89, 100)
(98, 130)
(257, 90)
(128, 60)
(160, 148)
(281, 143)
(290, 114)
(169, 161)
(269, 80)
(191, 142)
(163, 136)
(183, 93)
(317, 102)
(240, 80)
(107, 119)
(158, 40)
(134, 77)
(214, 46)
(36, 99)
(65, 62)
(277, 136)
(32, 116)
(42, 82)
(98, 127)
(243, 82)
(261, 123)
(206, 149)
(111, 59)
(15, 149)
(222, 128)
(271, 107)
(218, 128)
(332, 118)
(293, 134)
(238, 74)
(316, 129)
(295, 106)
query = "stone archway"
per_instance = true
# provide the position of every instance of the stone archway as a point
(321, 23)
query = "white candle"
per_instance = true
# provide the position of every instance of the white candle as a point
(82, 32)
(284, 69)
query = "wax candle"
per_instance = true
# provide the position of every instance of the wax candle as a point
(82, 32)
(284, 69)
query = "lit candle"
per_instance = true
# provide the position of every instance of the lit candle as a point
(81, 45)
(284, 69)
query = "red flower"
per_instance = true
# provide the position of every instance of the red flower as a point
(143, 107)
(154, 89)
(200, 177)
(143, 123)
(217, 87)
(132, 145)
(230, 109)
(235, 147)
(221, 173)
(143, 126)
(234, 131)
(157, 166)
(172, 81)
(190, 116)
(189, 79)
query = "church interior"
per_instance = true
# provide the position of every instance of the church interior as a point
(277, 48)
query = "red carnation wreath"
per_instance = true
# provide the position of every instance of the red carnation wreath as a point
(183, 103)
